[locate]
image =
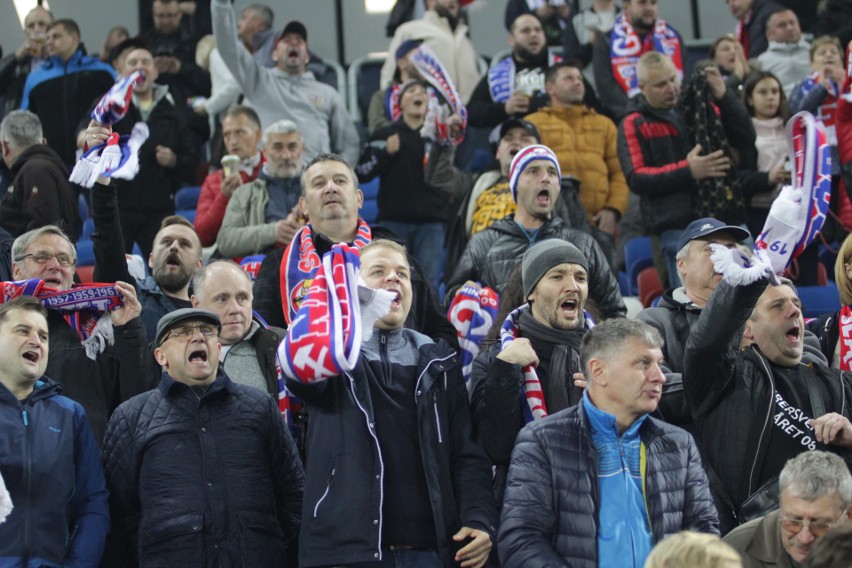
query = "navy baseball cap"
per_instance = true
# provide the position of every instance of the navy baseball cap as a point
(504, 127)
(707, 226)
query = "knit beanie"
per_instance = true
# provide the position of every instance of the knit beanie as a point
(543, 256)
(522, 160)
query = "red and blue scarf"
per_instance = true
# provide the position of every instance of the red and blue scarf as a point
(324, 339)
(472, 313)
(300, 263)
(532, 396)
(626, 48)
(85, 307)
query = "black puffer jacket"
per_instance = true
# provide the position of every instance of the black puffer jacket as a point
(731, 393)
(344, 488)
(214, 481)
(551, 506)
(492, 254)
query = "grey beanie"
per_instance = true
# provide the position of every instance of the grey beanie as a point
(543, 256)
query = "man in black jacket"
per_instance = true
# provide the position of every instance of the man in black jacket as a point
(331, 200)
(600, 483)
(546, 344)
(40, 193)
(233, 495)
(662, 165)
(492, 254)
(758, 406)
(394, 472)
(166, 160)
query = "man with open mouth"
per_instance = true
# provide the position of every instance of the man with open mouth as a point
(48, 455)
(549, 330)
(201, 470)
(758, 406)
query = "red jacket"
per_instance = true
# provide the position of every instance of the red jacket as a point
(212, 204)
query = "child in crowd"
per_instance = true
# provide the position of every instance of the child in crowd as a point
(766, 103)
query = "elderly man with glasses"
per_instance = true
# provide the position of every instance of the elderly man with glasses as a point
(201, 470)
(816, 494)
(117, 372)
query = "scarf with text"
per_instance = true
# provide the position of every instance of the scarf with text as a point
(85, 307)
(532, 395)
(501, 79)
(434, 73)
(626, 47)
(324, 339)
(472, 313)
(827, 111)
(799, 211)
(845, 339)
(300, 263)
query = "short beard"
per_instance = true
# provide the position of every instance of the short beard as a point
(527, 56)
(171, 281)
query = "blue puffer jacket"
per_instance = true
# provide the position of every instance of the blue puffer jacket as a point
(49, 462)
(550, 511)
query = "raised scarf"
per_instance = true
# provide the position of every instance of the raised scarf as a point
(472, 313)
(301, 262)
(799, 211)
(501, 78)
(118, 157)
(719, 197)
(532, 394)
(324, 339)
(434, 73)
(85, 307)
(626, 47)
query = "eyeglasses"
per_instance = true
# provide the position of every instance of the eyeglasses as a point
(817, 528)
(42, 257)
(186, 332)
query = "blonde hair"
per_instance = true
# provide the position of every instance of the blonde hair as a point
(844, 285)
(688, 549)
(825, 40)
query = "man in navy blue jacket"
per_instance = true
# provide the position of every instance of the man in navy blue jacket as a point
(48, 455)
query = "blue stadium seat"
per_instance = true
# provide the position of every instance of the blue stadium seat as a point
(362, 82)
(188, 214)
(637, 256)
(370, 209)
(187, 197)
(819, 300)
(88, 228)
(85, 253)
(83, 206)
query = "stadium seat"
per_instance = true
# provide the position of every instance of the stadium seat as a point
(88, 228)
(83, 207)
(188, 214)
(85, 253)
(637, 256)
(86, 274)
(819, 300)
(649, 286)
(362, 82)
(187, 197)
(370, 208)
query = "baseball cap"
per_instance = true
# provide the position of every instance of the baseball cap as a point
(295, 27)
(707, 226)
(500, 131)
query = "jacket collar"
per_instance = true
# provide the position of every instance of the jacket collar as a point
(44, 388)
(170, 387)
(765, 542)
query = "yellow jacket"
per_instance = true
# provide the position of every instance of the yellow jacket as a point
(585, 144)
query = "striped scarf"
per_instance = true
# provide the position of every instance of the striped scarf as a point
(324, 339)
(301, 262)
(626, 48)
(472, 313)
(533, 395)
(85, 307)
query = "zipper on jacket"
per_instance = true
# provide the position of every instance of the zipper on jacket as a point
(765, 424)
(25, 415)
(325, 493)
(437, 418)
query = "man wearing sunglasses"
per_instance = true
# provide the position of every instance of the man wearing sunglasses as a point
(816, 495)
(201, 470)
